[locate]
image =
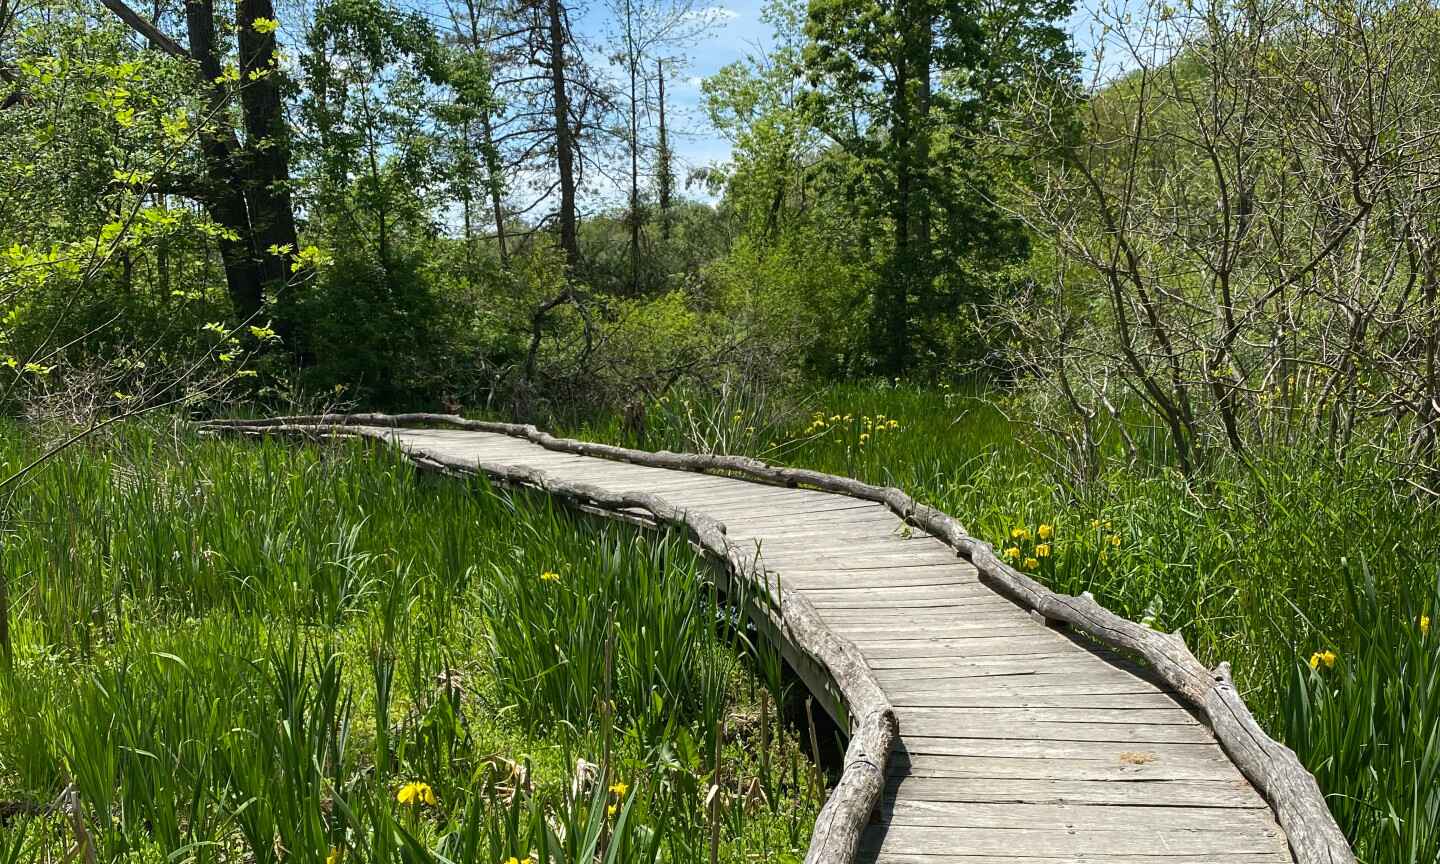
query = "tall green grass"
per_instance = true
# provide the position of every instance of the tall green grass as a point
(1261, 565)
(248, 650)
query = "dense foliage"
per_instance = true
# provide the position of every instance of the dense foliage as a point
(1175, 296)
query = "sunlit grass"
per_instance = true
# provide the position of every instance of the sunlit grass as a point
(1260, 565)
(234, 650)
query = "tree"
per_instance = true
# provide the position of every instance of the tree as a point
(245, 186)
(1242, 223)
(645, 28)
(903, 87)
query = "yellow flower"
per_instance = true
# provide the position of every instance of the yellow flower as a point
(1013, 553)
(892, 424)
(1021, 533)
(864, 436)
(834, 418)
(1327, 657)
(620, 788)
(1094, 523)
(1114, 539)
(334, 856)
(612, 810)
(1030, 564)
(416, 793)
(549, 576)
(1042, 550)
(1424, 625)
(1045, 532)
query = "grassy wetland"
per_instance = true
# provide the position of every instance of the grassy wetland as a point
(1315, 577)
(263, 652)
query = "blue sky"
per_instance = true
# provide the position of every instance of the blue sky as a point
(738, 32)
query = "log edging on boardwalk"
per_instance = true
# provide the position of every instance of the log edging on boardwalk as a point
(1273, 768)
(873, 727)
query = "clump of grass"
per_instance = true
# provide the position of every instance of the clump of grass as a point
(252, 650)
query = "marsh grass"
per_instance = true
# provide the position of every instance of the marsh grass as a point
(1261, 565)
(244, 651)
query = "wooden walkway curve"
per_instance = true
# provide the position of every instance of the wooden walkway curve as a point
(1018, 744)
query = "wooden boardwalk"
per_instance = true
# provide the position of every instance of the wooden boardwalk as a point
(1018, 744)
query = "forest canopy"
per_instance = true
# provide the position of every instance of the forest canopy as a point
(480, 203)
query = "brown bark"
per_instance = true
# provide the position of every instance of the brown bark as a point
(220, 191)
(245, 188)
(564, 140)
(266, 158)
(665, 179)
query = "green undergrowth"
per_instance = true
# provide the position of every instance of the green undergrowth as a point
(1315, 578)
(267, 652)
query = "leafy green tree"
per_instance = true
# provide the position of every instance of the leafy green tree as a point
(902, 87)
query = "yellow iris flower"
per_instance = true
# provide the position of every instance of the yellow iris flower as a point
(416, 793)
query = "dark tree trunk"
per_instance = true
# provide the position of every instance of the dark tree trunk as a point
(892, 301)
(634, 63)
(244, 189)
(223, 199)
(666, 174)
(564, 142)
(266, 163)
(493, 180)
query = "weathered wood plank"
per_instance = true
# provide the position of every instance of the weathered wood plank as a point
(1114, 751)
(874, 855)
(921, 813)
(1161, 793)
(1135, 765)
(1164, 716)
(991, 698)
(1049, 843)
(933, 722)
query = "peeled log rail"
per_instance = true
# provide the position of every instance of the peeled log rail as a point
(1272, 768)
(874, 729)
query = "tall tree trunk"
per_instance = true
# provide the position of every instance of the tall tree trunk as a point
(564, 142)
(494, 177)
(266, 163)
(634, 64)
(665, 175)
(924, 36)
(222, 196)
(893, 294)
(494, 180)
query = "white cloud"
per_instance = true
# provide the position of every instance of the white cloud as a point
(712, 14)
